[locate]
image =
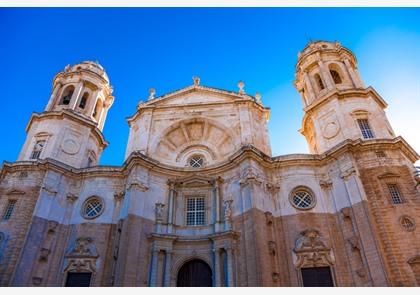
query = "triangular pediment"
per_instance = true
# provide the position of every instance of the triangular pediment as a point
(194, 180)
(194, 95)
(15, 192)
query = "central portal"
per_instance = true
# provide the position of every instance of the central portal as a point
(195, 273)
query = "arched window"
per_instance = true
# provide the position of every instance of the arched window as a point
(97, 111)
(336, 77)
(319, 82)
(67, 94)
(83, 101)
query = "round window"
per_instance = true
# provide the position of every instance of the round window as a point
(92, 208)
(302, 199)
(196, 161)
(407, 223)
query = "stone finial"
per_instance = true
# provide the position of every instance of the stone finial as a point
(196, 80)
(258, 97)
(241, 86)
(67, 68)
(152, 92)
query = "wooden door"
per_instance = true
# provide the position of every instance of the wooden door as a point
(195, 273)
(317, 277)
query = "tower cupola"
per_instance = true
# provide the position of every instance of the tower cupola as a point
(70, 128)
(83, 88)
(337, 104)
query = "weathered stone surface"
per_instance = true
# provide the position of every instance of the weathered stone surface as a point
(255, 231)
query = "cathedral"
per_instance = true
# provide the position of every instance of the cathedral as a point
(201, 201)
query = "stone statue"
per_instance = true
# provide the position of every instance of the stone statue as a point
(228, 209)
(159, 211)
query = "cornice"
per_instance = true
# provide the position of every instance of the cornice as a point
(72, 116)
(244, 153)
(340, 94)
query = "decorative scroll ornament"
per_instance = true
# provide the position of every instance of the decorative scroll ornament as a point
(83, 247)
(311, 250)
(348, 173)
(138, 185)
(119, 196)
(82, 256)
(250, 176)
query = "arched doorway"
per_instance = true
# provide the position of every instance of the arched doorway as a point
(195, 273)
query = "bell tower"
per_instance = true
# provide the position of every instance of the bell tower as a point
(70, 128)
(337, 104)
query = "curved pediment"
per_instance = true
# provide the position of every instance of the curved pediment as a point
(198, 136)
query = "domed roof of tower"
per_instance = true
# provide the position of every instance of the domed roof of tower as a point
(91, 66)
(320, 45)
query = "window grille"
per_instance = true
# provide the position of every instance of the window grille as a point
(92, 208)
(395, 194)
(196, 161)
(195, 211)
(302, 199)
(9, 209)
(365, 128)
(36, 153)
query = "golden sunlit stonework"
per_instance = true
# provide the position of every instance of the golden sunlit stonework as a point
(200, 200)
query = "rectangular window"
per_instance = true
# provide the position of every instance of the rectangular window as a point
(9, 210)
(317, 277)
(36, 153)
(365, 128)
(78, 279)
(395, 194)
(195, 211)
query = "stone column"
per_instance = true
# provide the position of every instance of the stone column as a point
(171, 207)
(310, 93)
(153, 267)
(326, 75)
(354, 75)
(76, 95)
(53, 97)
(363, 226)
(91, 104)
(217, 199)
(168, 261)
(229, 252)
(217, 280)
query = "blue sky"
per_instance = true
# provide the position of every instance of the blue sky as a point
(164, 47)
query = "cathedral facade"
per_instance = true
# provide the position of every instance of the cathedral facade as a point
(200, 200)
